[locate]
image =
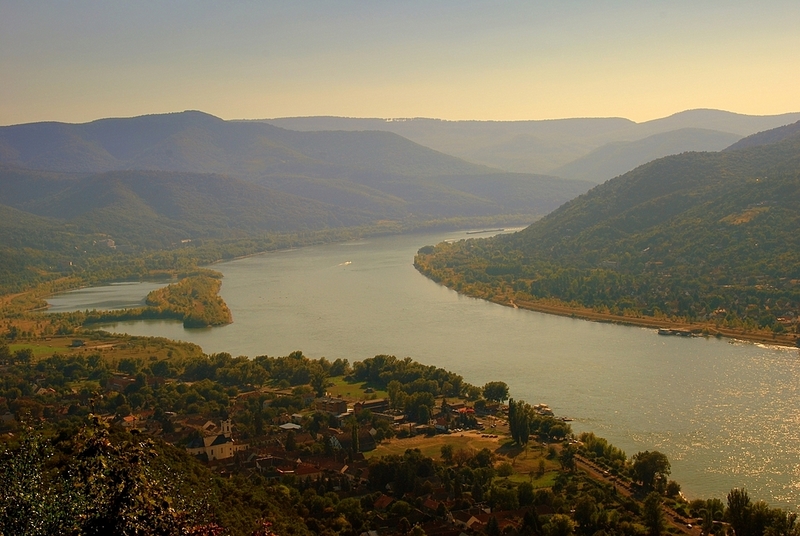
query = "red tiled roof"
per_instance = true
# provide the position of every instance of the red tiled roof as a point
(382, 502)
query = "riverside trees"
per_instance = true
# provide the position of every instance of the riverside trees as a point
(650, 468)
(495, 391)
(524, 420)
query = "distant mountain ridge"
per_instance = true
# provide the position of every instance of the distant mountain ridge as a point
(156, 179)
(201, 143)
(619, 157)
(544, 146)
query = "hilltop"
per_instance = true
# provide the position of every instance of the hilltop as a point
(618, 157)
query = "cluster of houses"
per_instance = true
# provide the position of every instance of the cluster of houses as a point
(438, 513)
(214, 443)
(340, 468)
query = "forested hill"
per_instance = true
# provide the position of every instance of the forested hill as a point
(157, 209)
(765, 138)
(711, 237)
(660, 192)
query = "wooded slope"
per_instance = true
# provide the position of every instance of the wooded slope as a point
(700, 236)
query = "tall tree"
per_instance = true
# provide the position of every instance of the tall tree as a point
(519, 421)
(447, 452)
(355, 446)
(739, 511)
(567, 458)
(495, 391)
(319, 381)
(713, 511)
(653, 514)
(650, 467)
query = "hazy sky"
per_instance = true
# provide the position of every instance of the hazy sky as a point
(454, 59)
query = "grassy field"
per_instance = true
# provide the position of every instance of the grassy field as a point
(431, 446)
(353, 390)
(123, 347)
(44, 348)
(89, 386)
(526, 463)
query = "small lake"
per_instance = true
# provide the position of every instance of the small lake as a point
(109, 297)
(727, 414)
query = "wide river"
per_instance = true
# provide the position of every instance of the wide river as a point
(727, 414)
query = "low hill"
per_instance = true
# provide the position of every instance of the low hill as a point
(33, 247)
(741, 124)
(698, 237)
(619, 157)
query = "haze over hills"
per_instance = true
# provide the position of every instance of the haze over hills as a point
(618, 157)
(703, 236)
(545, 145)
(520, 146)
(154, 180)
(767, 137)
(201, 143)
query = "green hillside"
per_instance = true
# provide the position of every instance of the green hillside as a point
(698, 237)
(157, 209)
(767, 137)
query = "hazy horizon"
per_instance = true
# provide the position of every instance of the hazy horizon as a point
(396, 119)
(478, 60)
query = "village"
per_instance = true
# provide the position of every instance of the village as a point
(390, 445)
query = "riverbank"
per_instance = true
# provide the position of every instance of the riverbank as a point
(700, 329)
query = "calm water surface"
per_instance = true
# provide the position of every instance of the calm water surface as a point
(727, 414)
(113, 296)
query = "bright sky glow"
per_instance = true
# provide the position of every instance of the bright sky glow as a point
(452, 59)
